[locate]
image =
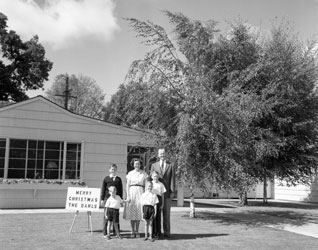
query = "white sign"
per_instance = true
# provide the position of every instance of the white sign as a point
(83, 199)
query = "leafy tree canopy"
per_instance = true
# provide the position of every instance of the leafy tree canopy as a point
(23, 65)
(245, 106)
(85, 96)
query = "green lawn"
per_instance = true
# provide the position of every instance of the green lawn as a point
(215, 227)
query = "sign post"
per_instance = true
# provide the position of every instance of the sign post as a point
(83, 199)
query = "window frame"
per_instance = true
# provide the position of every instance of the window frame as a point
(61, 151)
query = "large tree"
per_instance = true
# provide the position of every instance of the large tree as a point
(23, 65)
(246, 107)
(85, 96)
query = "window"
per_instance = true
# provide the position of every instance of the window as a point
(37, 159)
(2, 156)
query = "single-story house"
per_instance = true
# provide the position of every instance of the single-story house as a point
(45, 148)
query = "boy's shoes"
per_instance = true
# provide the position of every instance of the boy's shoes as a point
(107, 237)
(119, 237)
(146, 238)
(151, 240)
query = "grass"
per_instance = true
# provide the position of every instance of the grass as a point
(215, 227)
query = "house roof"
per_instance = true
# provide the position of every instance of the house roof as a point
(62, 109)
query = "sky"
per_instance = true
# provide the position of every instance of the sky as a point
(91, 37)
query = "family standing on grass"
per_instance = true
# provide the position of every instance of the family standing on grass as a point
(148, 195)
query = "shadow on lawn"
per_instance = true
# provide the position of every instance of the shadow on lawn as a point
(202, 205)
(193, 236)
(272, 203)
(257, 218)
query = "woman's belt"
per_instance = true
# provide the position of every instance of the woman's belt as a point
(136, 185)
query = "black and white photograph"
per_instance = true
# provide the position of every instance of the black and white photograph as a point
(158, 124)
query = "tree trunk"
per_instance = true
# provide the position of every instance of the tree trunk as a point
(243, 198)
(192, 207)
(265, 190)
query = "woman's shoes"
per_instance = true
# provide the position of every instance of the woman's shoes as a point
(151, 239)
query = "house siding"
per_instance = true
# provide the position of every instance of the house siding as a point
(39, 119)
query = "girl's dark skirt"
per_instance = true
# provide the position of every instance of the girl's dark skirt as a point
(149, 212)
(113, 215)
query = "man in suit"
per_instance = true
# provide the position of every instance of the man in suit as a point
(166, 176)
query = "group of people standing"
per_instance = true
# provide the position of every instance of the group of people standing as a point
(148, 196)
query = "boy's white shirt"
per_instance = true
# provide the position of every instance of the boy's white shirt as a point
(113, 202)
(149, 198)
(158, 188)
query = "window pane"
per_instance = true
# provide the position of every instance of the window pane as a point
(51, 174)
(17, 153)
(40, 144)
(71, 155)
(53, 145)
(72, 146)
(31, 164)
(1, 173)
(39, 164)
(18, 143)
(33, 174)
(32, 144)
(51, 170)
(70, 175)
(70, 165)
(2, 143)
(32, 154)
(2, 152)
(1, 163)
(40, 154)
(14, 173)
(52, 154)
(16, 163)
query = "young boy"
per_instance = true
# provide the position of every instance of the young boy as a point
(159, 190)
(110, 180)
(112, 211)
(149, 209)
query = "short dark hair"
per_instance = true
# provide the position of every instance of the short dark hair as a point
(113, 166)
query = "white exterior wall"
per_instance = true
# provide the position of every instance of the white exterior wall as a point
(39, 119)
(256, 193)
(297, 193)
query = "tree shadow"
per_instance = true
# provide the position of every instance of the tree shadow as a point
(192, 236)
(272, 203)
(257, 218)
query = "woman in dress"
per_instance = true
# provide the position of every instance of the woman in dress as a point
(134, 189)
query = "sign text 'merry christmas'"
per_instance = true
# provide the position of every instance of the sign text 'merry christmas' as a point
(83, 199)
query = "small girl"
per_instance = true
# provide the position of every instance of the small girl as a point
(112, 211)
(158, 189)
(149, 209)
